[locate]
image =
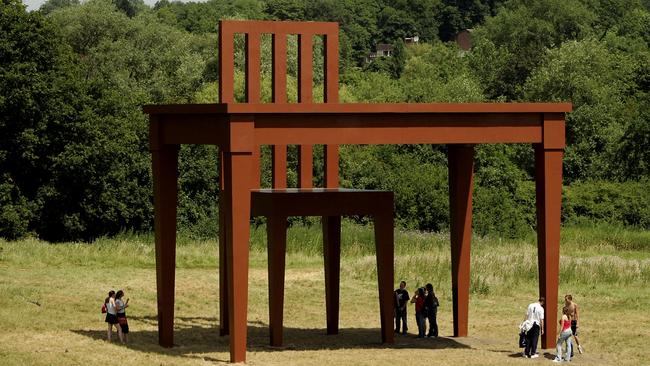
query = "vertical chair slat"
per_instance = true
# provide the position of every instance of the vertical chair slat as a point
(279, 89)
(331, 67)
(252, 67)
(305, 68)
(305, 95)
(331, 154)
(279, 95)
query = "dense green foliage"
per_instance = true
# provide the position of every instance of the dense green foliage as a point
(74, 160)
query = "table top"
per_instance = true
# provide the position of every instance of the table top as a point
(358, 123)
(355, 108)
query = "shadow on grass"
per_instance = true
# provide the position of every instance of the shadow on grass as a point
(194, 336)
(547, 355)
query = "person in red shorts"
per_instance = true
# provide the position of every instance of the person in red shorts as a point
(121, 306)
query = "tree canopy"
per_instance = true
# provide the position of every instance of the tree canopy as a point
(74, 159)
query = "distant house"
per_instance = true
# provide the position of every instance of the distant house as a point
(464, 39)
(411, 40)
(384, 50)
(387, 50)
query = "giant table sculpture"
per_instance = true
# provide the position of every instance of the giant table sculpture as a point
(239, 129)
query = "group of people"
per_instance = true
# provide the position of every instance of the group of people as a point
(426, 309)
(115, 309)
(533, 326)
(568, 328)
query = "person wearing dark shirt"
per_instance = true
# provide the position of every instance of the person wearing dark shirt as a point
(401, 300)
(431, 310)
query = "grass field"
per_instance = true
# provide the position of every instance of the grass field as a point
(51, 296)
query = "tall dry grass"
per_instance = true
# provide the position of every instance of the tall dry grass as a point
(51, 294)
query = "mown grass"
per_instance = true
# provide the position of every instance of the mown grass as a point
(51, 294)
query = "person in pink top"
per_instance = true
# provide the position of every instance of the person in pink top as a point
(564, 336)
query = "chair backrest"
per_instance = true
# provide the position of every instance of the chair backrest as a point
(279, 31)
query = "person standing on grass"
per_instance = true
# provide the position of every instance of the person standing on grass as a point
(121, 306)
(401, 299)
(431, 310)
(111, 316)
(574, 314)
(418, 300)
(564, 337)
(534, 314)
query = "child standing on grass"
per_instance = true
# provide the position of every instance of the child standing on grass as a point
(418, 299)
(111, 316)
(564, 337)
(121, 315)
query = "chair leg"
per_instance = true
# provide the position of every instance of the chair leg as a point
(237, 187)
(276, 229)
(332, 256)
(224, 328)
(384, 243)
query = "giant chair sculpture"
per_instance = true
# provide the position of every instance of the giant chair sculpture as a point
(239, 129)
(279, 203)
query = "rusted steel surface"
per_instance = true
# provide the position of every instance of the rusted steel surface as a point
(461, 184)
(239, 129)
(374, 108)
(278, 204)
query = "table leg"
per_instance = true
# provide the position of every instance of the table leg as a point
(332, 259)
(461, 180)
(548, 166)
(165, 170)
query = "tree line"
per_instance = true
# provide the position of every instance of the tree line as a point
(74, 159)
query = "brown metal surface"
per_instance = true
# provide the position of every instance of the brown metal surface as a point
(239, 129)
(236, 143)
(358, 108)
(224, 328)
(238, 165)
(548, 168)
(278, 204)
(332, 261)
(461, 181)
(279, 70)
(165, 168)
(331, 156)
